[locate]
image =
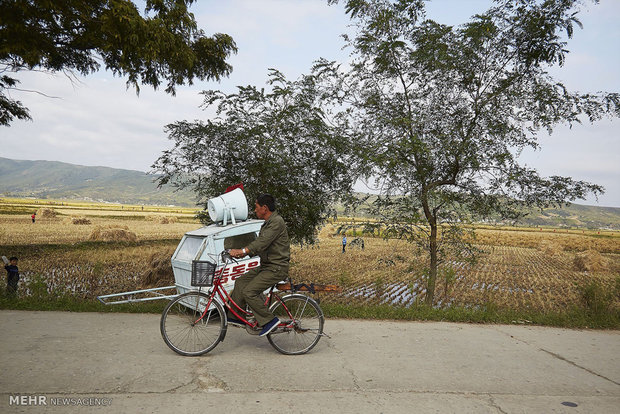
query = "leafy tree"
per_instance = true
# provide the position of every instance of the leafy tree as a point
(277, 141)
(442, 112)
(81, 36)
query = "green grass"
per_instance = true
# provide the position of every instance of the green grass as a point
(72, 304)
(490, 314)
(573, 318)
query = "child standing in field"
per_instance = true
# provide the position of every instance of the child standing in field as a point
(33, 217)
(12, 276)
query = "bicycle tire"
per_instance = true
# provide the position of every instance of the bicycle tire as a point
(182, 334)
(304, 329)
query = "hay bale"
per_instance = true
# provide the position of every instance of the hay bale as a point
(115, 226)
(107, 233)
(162, 219)
(166, 220)
(46, 213)
(80, 220)
(549, 248)
(589, 261)
(159, 271)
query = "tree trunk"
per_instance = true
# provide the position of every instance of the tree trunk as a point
(431, 218)
(432, 274)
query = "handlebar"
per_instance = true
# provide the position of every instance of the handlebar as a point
(226, 257)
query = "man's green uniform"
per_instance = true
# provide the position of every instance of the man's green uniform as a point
(273, 247)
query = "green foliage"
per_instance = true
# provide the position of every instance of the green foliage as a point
(10, 108)
(278, 142)
(439, 113)
(164, 44)
(449, 276)
(598, 298)
(37, 288)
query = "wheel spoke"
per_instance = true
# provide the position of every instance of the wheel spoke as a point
(302, 332)
(184, 329)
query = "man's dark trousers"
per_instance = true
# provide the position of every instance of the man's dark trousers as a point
(11, 284)
(248, 289)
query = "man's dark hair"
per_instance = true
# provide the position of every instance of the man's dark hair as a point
(13, 258)
(267, 200)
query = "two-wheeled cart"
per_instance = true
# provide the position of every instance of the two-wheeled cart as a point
(203, 244)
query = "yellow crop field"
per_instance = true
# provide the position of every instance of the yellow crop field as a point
(510, 276)
(148, 223)
(519, 268)
(15, 230)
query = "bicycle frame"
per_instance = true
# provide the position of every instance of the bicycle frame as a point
(217, 290)
(194, 322)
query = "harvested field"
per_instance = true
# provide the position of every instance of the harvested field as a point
(520, 269)
(590, 261)
(80, 220)
(46, 213)
(89, 270)
(112, 234)
(158, 270)
(19, 230)
(508, 276)
(607, 242)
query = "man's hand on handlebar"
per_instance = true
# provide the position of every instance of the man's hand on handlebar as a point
(237, 253)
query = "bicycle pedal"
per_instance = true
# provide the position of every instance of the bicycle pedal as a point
(252, 330)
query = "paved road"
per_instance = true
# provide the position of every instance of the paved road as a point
(119, 363)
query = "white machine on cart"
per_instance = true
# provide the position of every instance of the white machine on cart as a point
(231, 229)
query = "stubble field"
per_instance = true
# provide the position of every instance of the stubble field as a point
(118, 249)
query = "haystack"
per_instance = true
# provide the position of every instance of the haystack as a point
(589, 261)
(114, 226)
(162, 219)
(80, 220)
(46, 213)
(159, 271)
(549, 248)
(108, 233)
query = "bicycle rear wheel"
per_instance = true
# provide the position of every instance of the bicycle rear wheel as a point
(301, 324)
(183, 329)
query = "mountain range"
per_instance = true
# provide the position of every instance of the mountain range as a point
(59, 180)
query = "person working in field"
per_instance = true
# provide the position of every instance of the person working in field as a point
(273, 247)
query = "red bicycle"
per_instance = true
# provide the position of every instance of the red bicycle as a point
(194, 323)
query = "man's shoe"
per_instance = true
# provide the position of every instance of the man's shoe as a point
(270, 326)
(235, 322)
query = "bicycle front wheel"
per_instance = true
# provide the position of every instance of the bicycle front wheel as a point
(186, 331)
(301, 324)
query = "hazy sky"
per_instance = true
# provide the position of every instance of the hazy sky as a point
(96, 121)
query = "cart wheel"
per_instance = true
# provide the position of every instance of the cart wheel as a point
(301, 324)
(184, 328)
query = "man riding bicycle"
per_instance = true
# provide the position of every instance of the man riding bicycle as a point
(273, 247)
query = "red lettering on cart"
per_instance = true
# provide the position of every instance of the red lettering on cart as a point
(236, 271)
